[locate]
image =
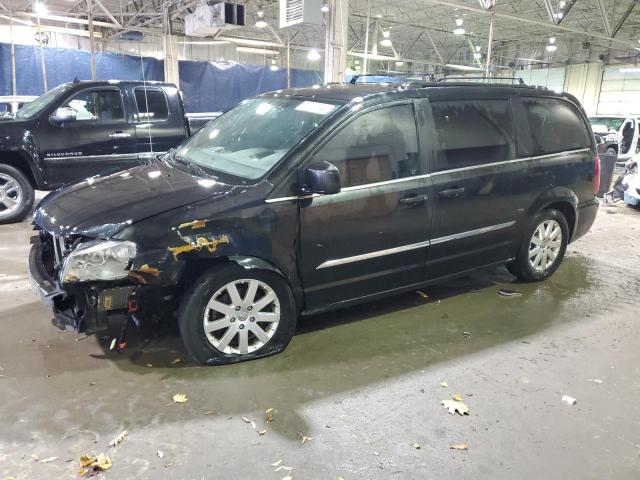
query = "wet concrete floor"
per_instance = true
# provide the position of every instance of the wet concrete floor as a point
(363, 383)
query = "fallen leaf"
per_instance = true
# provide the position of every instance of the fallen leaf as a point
(422, 294)
(179, 398)
(113, 344)
(459, 446)
(118, 440)
(417, 446)
(457, 397)
(91, 464)
(444, 384)
(160, 454)
(452, 406)
(509, 293)
(268, 417)
(304, 439)
(170, 464)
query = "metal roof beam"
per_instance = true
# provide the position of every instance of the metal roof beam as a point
(624, 18)
(605, 18)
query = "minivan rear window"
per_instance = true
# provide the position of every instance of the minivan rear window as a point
(555, 126)
(473, 132)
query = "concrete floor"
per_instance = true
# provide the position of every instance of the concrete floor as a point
(364, 383)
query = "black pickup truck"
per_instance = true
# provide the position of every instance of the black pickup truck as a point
(81, 129)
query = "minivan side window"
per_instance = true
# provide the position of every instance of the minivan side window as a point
(555, 126)
(472, 132)
(97, 106)
(152, 105)
(377, 146)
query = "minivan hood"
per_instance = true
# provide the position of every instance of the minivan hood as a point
(100, 207)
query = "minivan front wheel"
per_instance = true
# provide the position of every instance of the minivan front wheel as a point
(543, 247)
(233, 315)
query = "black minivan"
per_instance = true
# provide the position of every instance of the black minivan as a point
(305, 200)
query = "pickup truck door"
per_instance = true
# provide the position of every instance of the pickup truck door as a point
(100, 139)
(160, 120)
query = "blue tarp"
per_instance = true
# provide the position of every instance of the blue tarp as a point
(216, 87)
(206, 87)
(64, 65)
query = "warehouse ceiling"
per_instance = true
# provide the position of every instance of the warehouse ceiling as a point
(421, 30)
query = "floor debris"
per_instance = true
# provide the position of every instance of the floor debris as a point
(444, 384)
(422, 295)
(417, 446)
(459, 446)
(179, 398)
(93, 464)
(457, 397)
(569, 400)
(118, 439)
(595, 380)
(509, 293)
(455, 407)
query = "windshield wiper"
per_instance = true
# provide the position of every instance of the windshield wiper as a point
(197, 170)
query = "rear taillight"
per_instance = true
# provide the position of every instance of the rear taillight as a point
(596, 174)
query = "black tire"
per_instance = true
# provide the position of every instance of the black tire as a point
(7, 174)
(192, 311)
(521, 267)
(611, 151)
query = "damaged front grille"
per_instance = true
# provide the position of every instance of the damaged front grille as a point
(59, 247)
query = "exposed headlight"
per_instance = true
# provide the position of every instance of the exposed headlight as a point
(100, 260)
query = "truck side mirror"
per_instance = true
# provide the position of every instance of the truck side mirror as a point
(322, 178)
(62, 115)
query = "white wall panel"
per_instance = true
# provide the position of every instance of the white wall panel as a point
(620, 92)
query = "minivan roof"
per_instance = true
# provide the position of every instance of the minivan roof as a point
(347, 92)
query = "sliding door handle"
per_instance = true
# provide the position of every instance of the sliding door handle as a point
(413, 199)
(454, 192)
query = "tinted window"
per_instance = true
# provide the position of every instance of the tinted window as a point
(473, 133)
(152, 105)
(375, 147)
(5, 107)
(100, 106)
(555, 126)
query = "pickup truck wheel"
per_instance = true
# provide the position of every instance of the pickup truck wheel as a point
(233, 315)
(543, 247)
(16, 195)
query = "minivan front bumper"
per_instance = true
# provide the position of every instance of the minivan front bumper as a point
(88, 308)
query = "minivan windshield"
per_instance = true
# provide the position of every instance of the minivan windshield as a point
(251, 138)
(32, 109)
(612, 123)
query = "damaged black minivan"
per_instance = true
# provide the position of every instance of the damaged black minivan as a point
(304, 200)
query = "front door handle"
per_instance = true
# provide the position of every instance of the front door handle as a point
(454, 192)
(119, 134)
(413, 199)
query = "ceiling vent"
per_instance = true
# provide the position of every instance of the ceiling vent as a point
(208, 20)
(295, 12)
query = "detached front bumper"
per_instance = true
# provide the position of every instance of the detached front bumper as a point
(79, 308)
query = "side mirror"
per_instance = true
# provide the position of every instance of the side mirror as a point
(322, 178)
(62, 115)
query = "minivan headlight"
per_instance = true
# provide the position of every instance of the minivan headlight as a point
(100, 260)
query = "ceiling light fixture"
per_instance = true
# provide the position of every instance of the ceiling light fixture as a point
(314, 55)
(386, 40)
(261, 22)
(552, 47)
(325, 8)
(459, 30)
(41, 9)
(274, 66)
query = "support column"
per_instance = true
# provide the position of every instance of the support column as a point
(13, 51)
(171, 73)
(92, 39)
(335, 59)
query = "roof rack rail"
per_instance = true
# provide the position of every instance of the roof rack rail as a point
(355, 78)
(480, 78)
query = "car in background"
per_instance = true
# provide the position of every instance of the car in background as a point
(9, 105)
(618, 133)
(307, 200)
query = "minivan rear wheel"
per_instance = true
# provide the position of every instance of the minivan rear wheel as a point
(16, 195)
(543, 247)
(232, 315)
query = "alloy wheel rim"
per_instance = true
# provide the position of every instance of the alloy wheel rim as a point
(545, 245)
(242, 316)
(10, 195)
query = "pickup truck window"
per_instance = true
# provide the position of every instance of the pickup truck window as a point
(97, 105)
(152, 105)
(377, 146)
(251, 138)
(32, 109)
(473, 132)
